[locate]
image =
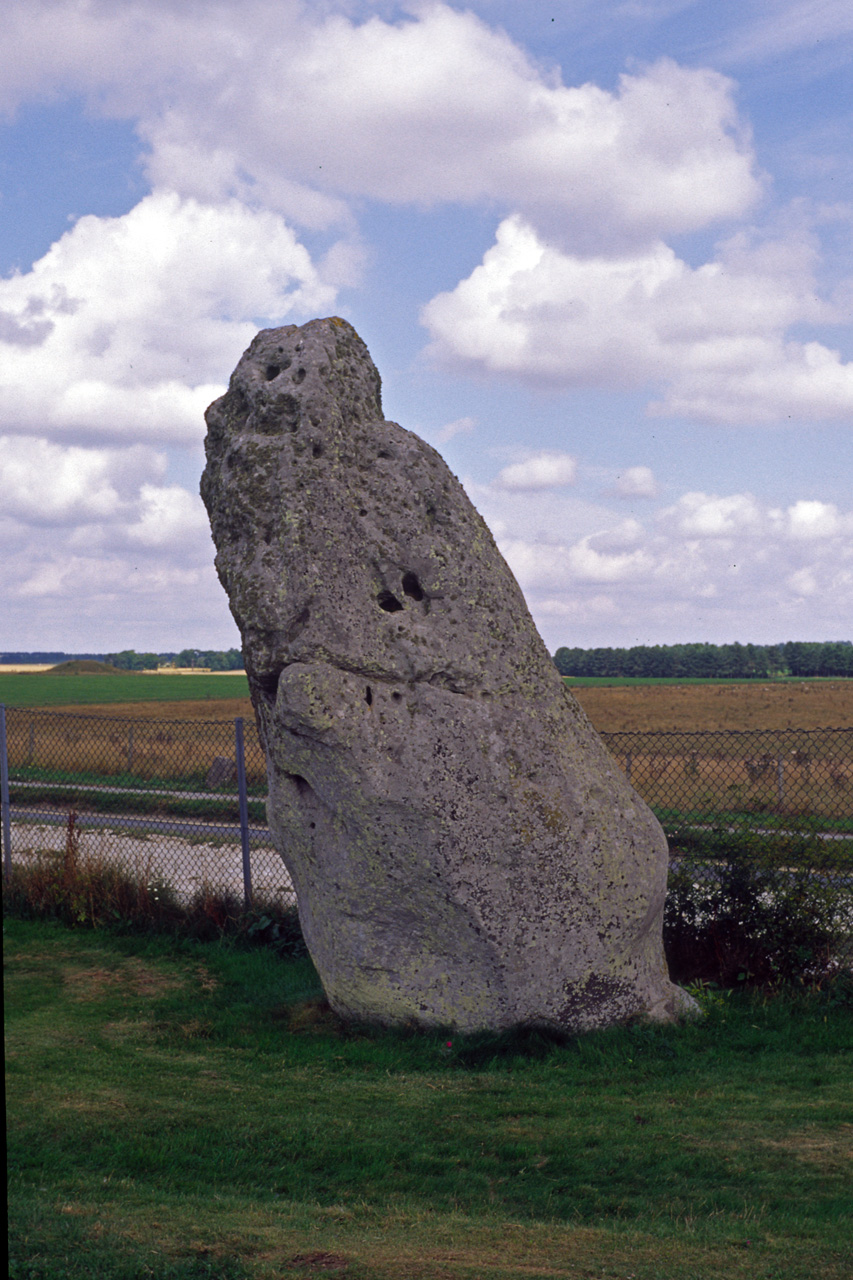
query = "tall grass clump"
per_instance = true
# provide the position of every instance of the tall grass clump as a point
(82, 888)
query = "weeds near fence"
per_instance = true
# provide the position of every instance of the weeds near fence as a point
(729, 920)
(82, 887)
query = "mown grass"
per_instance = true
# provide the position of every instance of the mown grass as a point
(44, 689)
(179, 1109)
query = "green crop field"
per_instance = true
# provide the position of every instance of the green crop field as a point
(188, 1110)
(44, 689)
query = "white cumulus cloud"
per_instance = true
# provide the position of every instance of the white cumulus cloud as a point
(714, 337)
(708, 565)
(133, 323)
(302, 108)
(540, 471)
(636, 482)
(458, 427)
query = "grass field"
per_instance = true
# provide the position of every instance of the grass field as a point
(195, 1111)
(637, 705)
(44, 689)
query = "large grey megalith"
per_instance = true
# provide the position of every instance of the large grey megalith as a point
(464, 850)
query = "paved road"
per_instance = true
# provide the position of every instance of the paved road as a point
(122, 822)
(135, 791)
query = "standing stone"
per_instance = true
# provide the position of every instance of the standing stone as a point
(464, 850)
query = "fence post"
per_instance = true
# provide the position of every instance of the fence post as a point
(628, 765)
(130, 748)
(4, 798)
(244, 811)
(780, 784)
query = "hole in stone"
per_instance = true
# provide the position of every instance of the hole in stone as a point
(302, 785)
(412, 587)
(384, 453)
(368, 696)
(312, 825)
(299, 376)
(268, 684)
(317, 450)
(362, 511)
(388, 602)
(272, 371)
(396, 696)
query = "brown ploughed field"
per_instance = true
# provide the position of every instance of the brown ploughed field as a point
(199, 709)
(813, 704)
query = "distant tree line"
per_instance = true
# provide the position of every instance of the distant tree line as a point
(130, 660)
(53, 656)
(213, 659)
(711, 661)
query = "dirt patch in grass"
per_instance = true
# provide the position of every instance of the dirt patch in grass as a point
(831, 1149)
(127, 1028)
(132, 976)
(99, 1104)
(207, 981)
(319, 1262)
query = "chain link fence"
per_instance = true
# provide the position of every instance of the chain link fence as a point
(176, 801)
(760, 832)
(759, 823)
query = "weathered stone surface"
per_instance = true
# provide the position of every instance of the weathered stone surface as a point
(463, 847)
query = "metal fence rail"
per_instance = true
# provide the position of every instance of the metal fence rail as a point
(177, 802)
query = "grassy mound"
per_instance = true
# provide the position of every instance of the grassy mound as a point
(83, 667)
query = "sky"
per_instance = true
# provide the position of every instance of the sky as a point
(600, 253)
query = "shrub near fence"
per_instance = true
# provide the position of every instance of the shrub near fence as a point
(760, 825)
(760, 830)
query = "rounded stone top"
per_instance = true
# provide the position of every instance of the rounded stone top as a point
(323, 359)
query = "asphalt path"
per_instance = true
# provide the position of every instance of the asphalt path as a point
(123, 822)
(134, 791)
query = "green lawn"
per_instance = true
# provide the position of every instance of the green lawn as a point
(41, 689)
(188, 1110)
